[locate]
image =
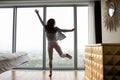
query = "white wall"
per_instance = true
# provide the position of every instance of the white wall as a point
(107, 36)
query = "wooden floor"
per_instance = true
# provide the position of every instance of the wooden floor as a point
(42, 75)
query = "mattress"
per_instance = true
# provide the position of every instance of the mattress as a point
(9, 61)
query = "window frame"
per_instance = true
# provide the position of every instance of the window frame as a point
(44, 38)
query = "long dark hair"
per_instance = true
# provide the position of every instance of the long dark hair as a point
(50, 26)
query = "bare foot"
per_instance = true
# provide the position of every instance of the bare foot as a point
(50, 75)
(68, 56)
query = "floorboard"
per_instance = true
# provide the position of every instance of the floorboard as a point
(42, 75)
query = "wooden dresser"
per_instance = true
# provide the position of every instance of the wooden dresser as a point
(102, 62)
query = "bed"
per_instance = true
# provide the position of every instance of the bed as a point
(9, 61)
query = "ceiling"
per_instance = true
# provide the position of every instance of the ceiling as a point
(41, 2)
(52, 0)
(49, 0)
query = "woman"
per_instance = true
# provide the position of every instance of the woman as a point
(53, 35)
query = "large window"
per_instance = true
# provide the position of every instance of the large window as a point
(6, 23)
(30, 35)
(64, 20)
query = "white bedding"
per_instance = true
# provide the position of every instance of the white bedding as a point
(9, 61)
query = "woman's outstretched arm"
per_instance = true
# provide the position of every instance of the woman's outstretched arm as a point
(37, 12)
(66, 30)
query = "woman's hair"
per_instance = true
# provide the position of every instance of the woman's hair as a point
(51, 22)
(50, 26)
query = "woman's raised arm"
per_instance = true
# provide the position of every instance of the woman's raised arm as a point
(37, 12)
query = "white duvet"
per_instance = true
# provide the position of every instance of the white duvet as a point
(9, 61)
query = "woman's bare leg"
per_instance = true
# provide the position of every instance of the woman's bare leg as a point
(50, 65)
(50, 53)
(58, 49)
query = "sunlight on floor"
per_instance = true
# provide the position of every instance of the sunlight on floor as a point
(42, 75)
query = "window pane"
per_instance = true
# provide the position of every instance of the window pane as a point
(30, 35)
(82, 28)
(6, 23)
(64, 20)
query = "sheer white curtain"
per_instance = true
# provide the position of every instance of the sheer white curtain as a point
(91, 24)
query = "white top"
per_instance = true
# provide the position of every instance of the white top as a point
(56, 36)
